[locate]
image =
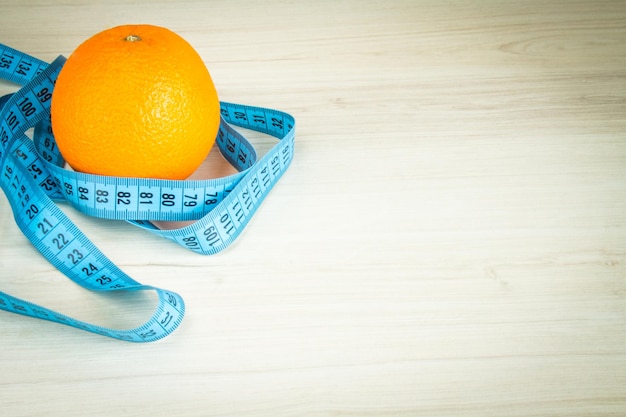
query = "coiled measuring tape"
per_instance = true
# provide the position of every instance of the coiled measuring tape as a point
(33, 177)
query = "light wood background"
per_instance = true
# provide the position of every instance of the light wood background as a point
(450, 239)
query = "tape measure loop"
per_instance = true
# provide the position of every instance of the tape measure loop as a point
(33, 176)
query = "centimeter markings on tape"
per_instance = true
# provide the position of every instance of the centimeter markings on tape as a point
(33, 176)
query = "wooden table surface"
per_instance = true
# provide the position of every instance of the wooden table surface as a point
(450, 239)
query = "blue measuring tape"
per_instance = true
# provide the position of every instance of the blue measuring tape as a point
(33, 176)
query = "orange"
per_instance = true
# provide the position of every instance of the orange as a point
(135, 101)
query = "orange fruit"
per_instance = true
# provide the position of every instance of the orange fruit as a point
(135, 101)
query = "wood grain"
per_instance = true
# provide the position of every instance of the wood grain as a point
(450, 239)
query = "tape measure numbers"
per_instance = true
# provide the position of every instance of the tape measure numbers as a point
(33, 176)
